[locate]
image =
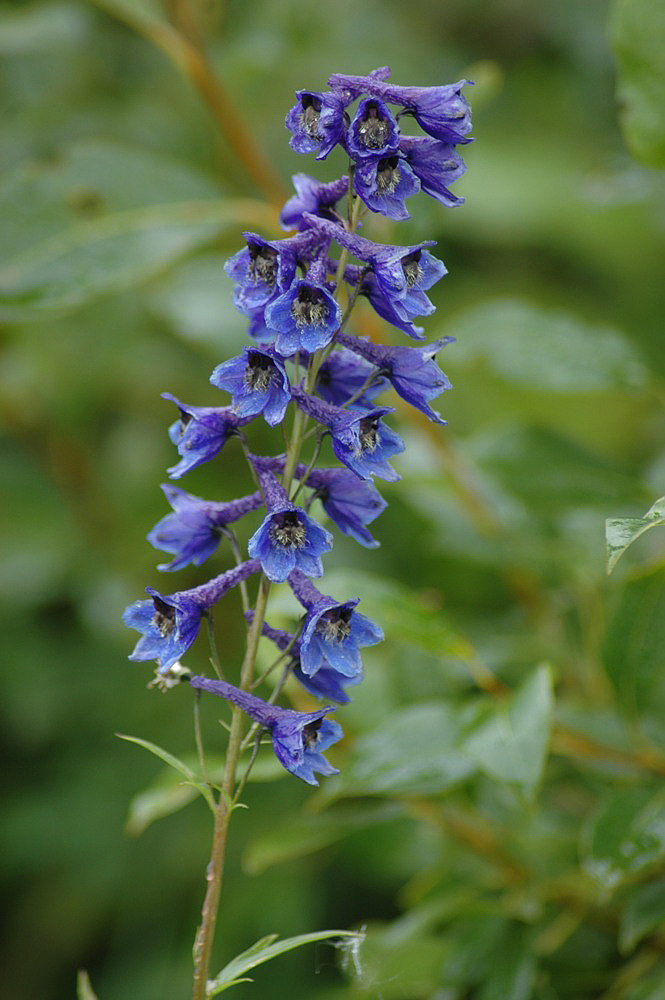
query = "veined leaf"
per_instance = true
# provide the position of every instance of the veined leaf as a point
(620, 532)
(266, 949)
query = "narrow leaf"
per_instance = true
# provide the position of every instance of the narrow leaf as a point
(265, 950)
(620, 532)
(84, 990)
(173, 762)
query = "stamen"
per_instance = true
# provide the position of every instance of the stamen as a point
(368, 434)
(335, 626)
(413, 272)
(373, 130)
(260, 373)
(310, 734)
(310, 114)
(164, 617)
(309, 309)
(288, 530)
(262, 263)
(388, 175)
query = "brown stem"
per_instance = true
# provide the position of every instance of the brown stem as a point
(192, 63)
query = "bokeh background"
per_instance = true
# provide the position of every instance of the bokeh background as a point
(499, 825)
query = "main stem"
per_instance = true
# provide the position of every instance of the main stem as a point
(206, 931)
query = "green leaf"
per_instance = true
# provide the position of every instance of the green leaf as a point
(625, 836)
(620, 532)
(415, 751)
(173, 762)
(539, 349)
(644, 913)
(103, 218)
(638, 36)
(266, 949)
(84, 990)
(634, 647)
(513, 967)
(156, 803)
(511, 742)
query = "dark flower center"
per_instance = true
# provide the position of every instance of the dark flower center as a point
(373, 129)
(310, 114)
(388, 175)
(309, 307)
(310, 734)
(288, 530)
(413, 272)
(368, 434)
(262, 263)
(335, 625)
(164, 617)
(260, 373)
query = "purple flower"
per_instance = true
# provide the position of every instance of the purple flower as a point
(359, 439)
(383, 185)
(200, 433)
(435, 164)
(333, 631)
(306, 316)
(312, 196)
(298, 738)
(442, 112)
(317, 122)
(414, 374)
(403, 274)
(369, 287)
(348, 501)
(343, 374)
(373, 131)
(326, 682)
(194, 529)
(287, 538)
(258, 383)
(169, 625)
(262, 270)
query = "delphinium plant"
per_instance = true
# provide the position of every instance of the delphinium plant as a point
(306, 374)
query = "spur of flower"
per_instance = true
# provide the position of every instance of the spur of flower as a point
(298, 738)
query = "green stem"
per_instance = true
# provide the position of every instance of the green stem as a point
(215, 871)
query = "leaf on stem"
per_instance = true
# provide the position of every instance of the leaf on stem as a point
(266, 949)
(621, 532)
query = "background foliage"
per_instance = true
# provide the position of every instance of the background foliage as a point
(499, 823)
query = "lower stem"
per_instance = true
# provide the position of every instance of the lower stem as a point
(215, 871)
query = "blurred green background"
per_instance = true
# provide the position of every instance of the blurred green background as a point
(498, 846)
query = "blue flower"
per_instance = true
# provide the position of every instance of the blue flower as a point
(305, 317)
(403, 274)
(384, 184)
(348, 501)
(312, 196)
(298, 738)
(262, 270)
(169, 625)
(287, 538)
(414, 374)
(194, 529)
(258, 383)
(326, 683)
(369, 287)
(200, 433)
(442, 112)
(317, 122)
(373, 131)
(436, 165)
(359, 439)
(333, 631)
(343, 374)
